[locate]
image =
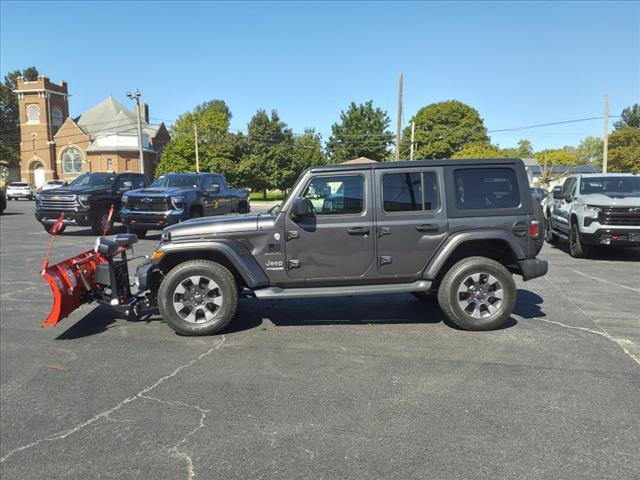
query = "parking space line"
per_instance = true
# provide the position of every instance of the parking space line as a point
(608, 282)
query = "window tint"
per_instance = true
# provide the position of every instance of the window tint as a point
(120, 181)
(402, 192)
(481, 188)
(336, 195)
(138, 181)
(569, 187)
(207, 182)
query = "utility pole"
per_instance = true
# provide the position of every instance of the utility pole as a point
(195, 133)
(399, 119)
(413, 134)
(606, 134)
(136, 97)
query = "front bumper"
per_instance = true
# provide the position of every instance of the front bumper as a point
(612, 236)
(151, 220)
(48, 217)
(533, 268)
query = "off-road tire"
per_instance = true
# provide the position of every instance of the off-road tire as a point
(550, 237)
(576, 248)
(449, 297)
(48, 227)
(99, 223)
(181, 273)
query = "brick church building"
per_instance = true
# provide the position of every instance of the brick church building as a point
(54, 145)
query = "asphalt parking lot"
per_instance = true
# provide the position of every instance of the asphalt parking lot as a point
(359, 388)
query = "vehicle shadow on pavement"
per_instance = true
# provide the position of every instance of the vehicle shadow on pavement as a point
(528, 305)
(87, 232)
(99, 320)
(619, 254)
(397, 309)
(11, 214)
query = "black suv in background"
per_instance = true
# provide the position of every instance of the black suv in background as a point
(456, 229)
(174, 197)
(87, 199)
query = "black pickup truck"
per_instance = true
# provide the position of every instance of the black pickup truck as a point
(86, 201)
(175, 197)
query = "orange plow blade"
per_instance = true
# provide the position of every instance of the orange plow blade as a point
(72, 283)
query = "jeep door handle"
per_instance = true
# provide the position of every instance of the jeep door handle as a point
(358, 231)
(428, 228)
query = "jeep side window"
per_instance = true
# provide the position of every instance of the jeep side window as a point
(409, 191)
(482, 188)
(336, 195)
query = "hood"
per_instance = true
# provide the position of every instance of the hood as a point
(68, 190)
(601, 200)
(157, 192)
(214, 226)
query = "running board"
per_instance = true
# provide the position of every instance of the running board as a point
(562, 235)
(312, 292)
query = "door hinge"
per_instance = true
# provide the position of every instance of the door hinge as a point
(291, 264)
(384, 260)
(292, 234)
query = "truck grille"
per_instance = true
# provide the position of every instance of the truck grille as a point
(620, 216)
(147, 204)
(58, 202)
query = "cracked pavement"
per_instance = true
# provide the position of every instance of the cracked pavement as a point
(362, 387)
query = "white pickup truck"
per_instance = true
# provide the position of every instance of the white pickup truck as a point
(594, 209)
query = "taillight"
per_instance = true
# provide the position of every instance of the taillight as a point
(534, 228)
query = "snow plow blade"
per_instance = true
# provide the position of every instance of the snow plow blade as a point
(72, 283)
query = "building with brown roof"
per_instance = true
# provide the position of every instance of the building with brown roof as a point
(54, 145)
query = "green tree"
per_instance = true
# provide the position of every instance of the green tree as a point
(268, 163)
(624, 150)
(307, 152)
(525, 149)
(479, 150)
(363, 131)
(9, 114)
(590, 150)
(442, 129)
(630, 117)
(550, 160)
(216, 146)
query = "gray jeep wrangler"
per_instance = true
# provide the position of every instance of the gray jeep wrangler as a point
(455, 229)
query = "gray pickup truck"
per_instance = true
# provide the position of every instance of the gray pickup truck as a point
(175, 197)
(454, 229)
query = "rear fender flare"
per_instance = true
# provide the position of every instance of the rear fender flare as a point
(235, 253)
(449, 246)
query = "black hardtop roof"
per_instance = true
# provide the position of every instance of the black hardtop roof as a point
(418, 163)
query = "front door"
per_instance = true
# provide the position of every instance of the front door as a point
(337, 242)
(561, 210)
(411, 220)
(39, 176)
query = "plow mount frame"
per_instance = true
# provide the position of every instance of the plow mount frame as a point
(100, 275)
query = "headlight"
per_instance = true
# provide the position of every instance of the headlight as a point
(592, 209)
(84, 200)
(37, 197)
(177, 202)
(124, 200)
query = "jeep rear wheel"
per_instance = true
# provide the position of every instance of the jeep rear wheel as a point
(198, 297)
(477, 293)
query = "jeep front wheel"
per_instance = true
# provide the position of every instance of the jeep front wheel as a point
(198, 297)
(477, 293)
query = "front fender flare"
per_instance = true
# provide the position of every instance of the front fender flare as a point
(449, 246)
(235, 252)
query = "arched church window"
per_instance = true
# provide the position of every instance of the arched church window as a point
(33, 114)
(72, 160)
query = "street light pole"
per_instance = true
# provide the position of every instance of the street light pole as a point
(136, 97)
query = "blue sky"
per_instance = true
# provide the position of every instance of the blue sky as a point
(517, 63)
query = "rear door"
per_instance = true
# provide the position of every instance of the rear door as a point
(335, 245)
(411, 220)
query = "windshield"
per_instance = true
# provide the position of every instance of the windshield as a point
(176, 181)
(611, 186)
(94, 180)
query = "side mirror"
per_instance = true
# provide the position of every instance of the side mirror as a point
(301, 208)
(215, 188)
(557, 193)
